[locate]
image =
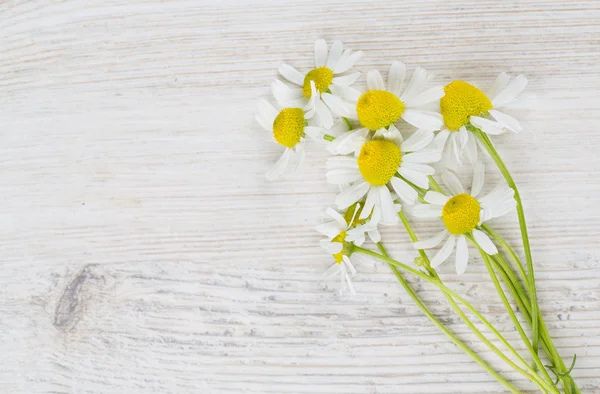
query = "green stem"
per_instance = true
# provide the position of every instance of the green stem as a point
(520, 296)
(347, 122)
(531, 376)
(456, 308)
(487, 143)
(510, 311)
(508, 250)
(328, 137)
(444, 329)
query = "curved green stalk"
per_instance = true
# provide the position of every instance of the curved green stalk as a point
(520, 295)
(529, 373)
(509, 309)
(487, 143)
(444, 329)
(508, 250)
(456, 308)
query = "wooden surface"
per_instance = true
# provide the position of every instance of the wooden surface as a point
(142, 250)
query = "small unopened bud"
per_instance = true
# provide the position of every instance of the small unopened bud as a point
(420, 261)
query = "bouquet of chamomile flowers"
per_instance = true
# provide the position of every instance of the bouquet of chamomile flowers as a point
(378, 172)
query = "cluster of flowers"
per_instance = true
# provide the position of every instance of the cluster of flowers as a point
(377, 169)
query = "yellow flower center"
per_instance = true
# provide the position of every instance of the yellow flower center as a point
(288, 126)
(461, 214)
(350, 214)
(378, 108)
(378, 161)
(341, 237)
(461, 101)
(322, 76)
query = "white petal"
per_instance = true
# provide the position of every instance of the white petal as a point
(388, 212)
(331, 247)
(316, 133)
(462, 255)
(422, 168)
(298, 158)
(330, 229)
(471, 149)
(323, 115)
(445, 252)
(436, 198)
(419, 140)
(463, 137)
(427, 211)
(416, 84)
(310, 107)
(291, 74)
(426, 97)
(390, 134)
(497, 203)
(422, 156)
(456, 152)
(280, 167)
(375, 236)
(346, 61)
(370, 202)
(334, 54)
(507, 121)
(403, 190)
(320, 53)
(348, 142)
(335, 215)
(452, 182)
(268, 112)
(416, 177)
(343, 162)
(428, 120)
(285, 96)
(512, 91)
(484, 242)
(352, 195)
(265, 125)
(478, 179)
(343, 176)
(487, 126)
(439, 142)
(375, 81)
(498, 85)
(345, 92)
(396, 78)
(346, 80)
(335, 104)
(431, 242)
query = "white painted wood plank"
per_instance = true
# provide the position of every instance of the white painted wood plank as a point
(143, 251)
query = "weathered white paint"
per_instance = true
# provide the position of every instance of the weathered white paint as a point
(142, 251)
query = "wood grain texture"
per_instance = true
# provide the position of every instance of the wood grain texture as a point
(142, 251)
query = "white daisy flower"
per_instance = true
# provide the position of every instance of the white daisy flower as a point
(333, 89)
(463, 104)
(289, 128)
(341, 231)
(461, 214)
(386, 160)
(381, 106)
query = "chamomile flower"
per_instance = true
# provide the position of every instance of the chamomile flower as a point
(289, 128)
(383, 105)
(461, 214)
(343, 230)
(333, 89)
(464, 105)
(385, 160)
